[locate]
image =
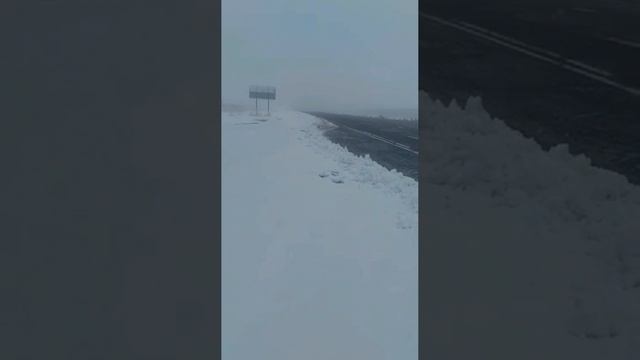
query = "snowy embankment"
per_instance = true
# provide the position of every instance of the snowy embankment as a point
(319, 246)
(531, 254)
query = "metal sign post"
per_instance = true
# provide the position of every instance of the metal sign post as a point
(262, 92)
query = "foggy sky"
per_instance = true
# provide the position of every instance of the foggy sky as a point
(326, 55)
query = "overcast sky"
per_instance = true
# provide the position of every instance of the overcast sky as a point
(322, 54)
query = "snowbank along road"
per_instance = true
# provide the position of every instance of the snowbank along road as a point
(559, 75)
(546, 265)
(319, 246)
(392, 143)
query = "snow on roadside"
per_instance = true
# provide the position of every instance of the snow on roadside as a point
(546, 248)
(319, 246)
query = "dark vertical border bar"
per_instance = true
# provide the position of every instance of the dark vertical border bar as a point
(110, 185)
(422, 198)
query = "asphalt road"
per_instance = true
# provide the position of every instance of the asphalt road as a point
(543, 72)
(392, 143)
(605, 37)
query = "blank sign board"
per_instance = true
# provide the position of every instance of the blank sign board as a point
(262, 92)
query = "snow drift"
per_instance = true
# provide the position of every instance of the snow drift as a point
(531, 254)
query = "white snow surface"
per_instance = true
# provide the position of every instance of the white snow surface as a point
(530, 254)
(319, 246)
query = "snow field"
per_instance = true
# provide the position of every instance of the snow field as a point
(319, 246)
(546, 255)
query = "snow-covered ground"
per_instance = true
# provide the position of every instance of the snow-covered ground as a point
(530, 254)
(319, 246)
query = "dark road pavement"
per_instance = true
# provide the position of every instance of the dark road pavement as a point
(391, 143)
(553, 79)
(604, 37)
